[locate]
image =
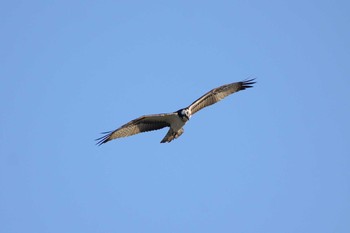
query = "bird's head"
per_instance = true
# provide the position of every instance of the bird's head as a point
(185, 114)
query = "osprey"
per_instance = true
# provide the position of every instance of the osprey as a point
(175, 120)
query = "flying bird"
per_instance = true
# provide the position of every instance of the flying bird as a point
(175, 120)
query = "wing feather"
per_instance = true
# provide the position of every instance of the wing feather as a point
(138, 125)
(218, 94)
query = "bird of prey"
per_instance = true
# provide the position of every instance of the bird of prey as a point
(175, 120)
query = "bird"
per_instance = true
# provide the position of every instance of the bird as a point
(174, 120)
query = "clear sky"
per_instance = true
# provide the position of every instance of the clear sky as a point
(274, 158)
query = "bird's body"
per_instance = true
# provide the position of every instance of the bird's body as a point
(175, 120)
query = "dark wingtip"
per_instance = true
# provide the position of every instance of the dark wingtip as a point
(248, 83)
(104, 138)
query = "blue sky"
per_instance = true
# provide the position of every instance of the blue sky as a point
(274, 158)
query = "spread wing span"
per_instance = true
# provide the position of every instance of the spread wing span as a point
(175, 120)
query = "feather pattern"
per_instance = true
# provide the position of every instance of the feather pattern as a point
(138, 125)
(218, 94)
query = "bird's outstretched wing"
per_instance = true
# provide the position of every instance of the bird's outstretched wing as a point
(218, 94)
(138, 125)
